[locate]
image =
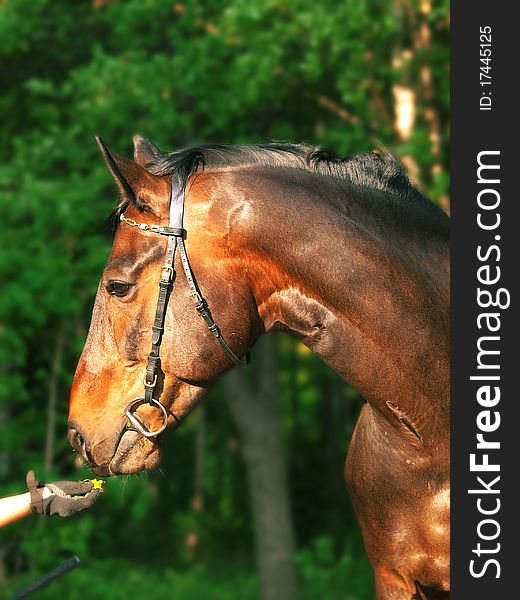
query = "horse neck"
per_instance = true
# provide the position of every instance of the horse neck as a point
(368, 294)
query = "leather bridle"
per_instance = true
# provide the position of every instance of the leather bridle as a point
(176, 234)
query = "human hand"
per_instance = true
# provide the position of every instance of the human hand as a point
(63, 498)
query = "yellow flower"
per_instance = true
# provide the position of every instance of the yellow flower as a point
(98, 484)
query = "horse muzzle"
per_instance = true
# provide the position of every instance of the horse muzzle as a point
(126, 452)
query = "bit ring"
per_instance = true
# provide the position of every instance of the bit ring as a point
(137, 424)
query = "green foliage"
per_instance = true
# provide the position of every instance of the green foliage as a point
(182, 73)
(114, 580)
(322, 574)
(326, 576)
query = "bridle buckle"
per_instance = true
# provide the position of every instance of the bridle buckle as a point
(150, 385)
(197, 298)
(167, 274)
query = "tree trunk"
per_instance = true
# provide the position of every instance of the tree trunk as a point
(256, 412)
(330, 402)
(422, 45)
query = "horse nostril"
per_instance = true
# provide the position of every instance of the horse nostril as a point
(77, 442)
(75, 439)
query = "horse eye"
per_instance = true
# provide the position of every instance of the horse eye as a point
(118, 288)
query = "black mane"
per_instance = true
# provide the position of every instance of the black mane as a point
(377, 170)
(373, 170)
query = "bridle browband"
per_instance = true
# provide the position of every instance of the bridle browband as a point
(176, 234)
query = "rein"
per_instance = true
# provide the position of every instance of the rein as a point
(176, 234)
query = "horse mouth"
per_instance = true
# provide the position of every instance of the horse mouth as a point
(134, 453)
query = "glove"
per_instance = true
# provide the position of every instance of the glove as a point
(66, 499)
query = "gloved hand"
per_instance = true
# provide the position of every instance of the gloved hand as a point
(63, 498)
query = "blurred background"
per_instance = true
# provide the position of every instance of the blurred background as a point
(250, 500)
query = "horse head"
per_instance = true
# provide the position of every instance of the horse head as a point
(112, 365)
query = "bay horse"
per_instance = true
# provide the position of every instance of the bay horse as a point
(345, 255)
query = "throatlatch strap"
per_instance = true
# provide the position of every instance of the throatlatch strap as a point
(203, 309)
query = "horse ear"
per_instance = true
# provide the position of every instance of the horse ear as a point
(136, 185)
(144, 151)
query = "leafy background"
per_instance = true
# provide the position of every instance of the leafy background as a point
(349, 75)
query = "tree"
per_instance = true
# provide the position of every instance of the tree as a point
(256, 410)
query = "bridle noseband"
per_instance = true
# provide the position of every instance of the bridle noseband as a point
(176, 234)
